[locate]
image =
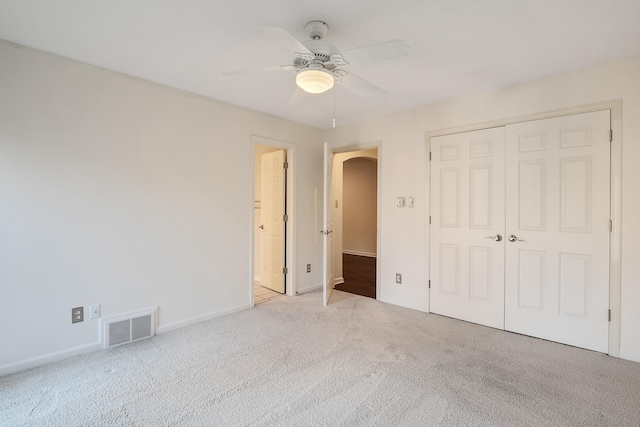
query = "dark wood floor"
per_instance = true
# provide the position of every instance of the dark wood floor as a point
(359, 274)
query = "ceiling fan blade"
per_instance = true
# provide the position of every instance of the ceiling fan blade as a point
(259, 70)
(376, 52)
(285, 39)
(297, 98)
(361, 86)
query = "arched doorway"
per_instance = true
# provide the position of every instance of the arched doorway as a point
(355, 220)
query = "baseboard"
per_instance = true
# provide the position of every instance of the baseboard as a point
(367, 254)
(634, 356)
(90, 348)
(256, 279)
(338, 281)
(199, 319)
(303, 289)
(35, 362)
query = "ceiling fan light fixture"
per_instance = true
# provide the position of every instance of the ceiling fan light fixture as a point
(314, 80)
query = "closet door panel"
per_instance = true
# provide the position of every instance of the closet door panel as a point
(557, 210)
(467, 197)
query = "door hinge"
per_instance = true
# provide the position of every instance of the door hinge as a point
(429, 155)
(285, 270)
(609, 315)
(429, 219)
(285, 217)
(610, 135)
(286, 165)
(610, 225)
(429, 284)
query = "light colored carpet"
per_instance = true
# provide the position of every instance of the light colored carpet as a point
(292, 362)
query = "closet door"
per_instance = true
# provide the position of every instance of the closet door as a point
(467, 226)
(557, 229)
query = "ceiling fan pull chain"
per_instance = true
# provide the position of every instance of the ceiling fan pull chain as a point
(334, 106)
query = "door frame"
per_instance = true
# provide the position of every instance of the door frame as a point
(361, 147)
(615, 242)
(290, 241)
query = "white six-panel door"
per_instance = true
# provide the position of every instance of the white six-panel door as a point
(558, 191)
(544, 187)
(467, 226)
(272, 220)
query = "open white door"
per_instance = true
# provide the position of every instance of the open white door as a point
(467, 246)
(273, 220)
(327, 231)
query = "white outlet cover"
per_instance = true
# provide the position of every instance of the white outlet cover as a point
(411, 202)
(401, 202)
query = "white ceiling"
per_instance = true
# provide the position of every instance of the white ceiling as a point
(456, 46)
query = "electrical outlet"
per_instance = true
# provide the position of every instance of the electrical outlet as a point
(308, 268)
(95, 311)
(77, 314)
(398, 278)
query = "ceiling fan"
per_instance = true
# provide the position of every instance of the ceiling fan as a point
(318, 63)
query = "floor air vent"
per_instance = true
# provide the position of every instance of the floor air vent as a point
(128, 328)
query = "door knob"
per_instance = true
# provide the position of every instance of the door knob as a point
(497, 238)
(514, 238)
(261, 227)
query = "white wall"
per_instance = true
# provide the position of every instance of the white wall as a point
(120, 192)
(404, 172)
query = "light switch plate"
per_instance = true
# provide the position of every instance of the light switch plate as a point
(95, 311)
(401, 202)
(411, 202)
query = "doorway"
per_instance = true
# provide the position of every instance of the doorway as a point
(271, 222)
(355, 204)
(520, 230)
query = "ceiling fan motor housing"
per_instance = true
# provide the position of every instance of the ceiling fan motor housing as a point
(323, 54)
(322, 49)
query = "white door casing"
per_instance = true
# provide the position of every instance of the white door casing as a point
(558, 192)
(327, 231)
(272, 220)
(467, 226)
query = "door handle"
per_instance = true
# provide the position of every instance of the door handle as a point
(261, 227)
(326, 233)
(497, 238)
(514, 238)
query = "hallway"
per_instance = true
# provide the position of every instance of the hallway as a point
(359, 274)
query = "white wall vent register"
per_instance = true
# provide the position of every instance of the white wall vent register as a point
(123, 329)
